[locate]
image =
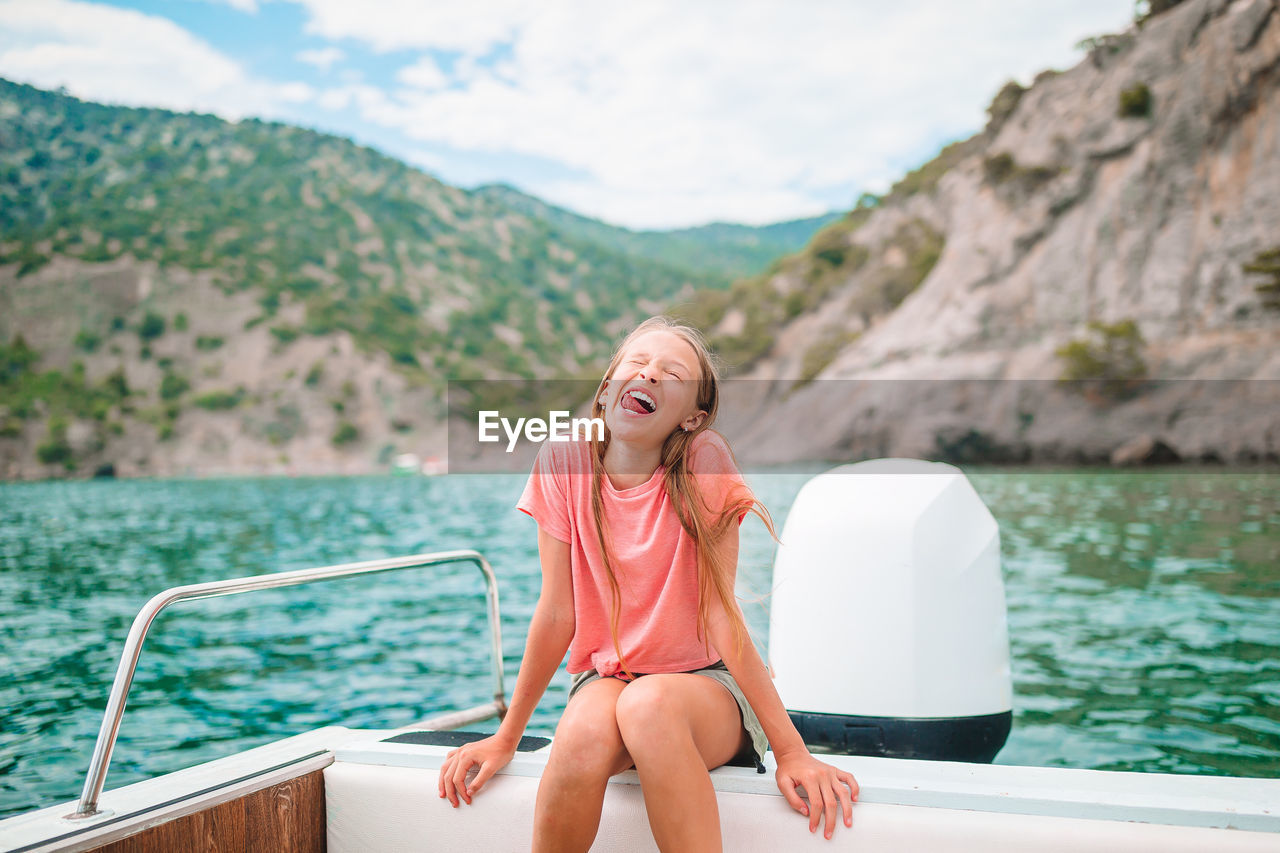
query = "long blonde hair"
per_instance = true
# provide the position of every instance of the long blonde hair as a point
(683, 490)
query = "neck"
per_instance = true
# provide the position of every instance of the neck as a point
(628, 465)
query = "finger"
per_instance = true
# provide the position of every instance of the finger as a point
(848, 778)
(460, 777)
(822, 805)
(846, 801)
(815, 805)
(451, 780)
(449, 791)
(446, 769)
(787, 786)
(444, 772)
(829, 807)
(482, 775)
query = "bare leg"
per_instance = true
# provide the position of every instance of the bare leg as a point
(585, 752)
(676, 727)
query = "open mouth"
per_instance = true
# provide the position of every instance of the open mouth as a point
(638, 402)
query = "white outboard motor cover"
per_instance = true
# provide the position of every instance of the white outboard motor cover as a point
(888, 610)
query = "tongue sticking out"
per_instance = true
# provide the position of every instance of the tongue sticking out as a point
(631, 404)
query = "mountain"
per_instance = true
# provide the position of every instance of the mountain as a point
(1095, 273)
(348, 238)
(720, 248)
(1093, 277)
(183, 294)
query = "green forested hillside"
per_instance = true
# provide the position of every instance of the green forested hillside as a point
(403, 262)
(180, 293)
(720, 248)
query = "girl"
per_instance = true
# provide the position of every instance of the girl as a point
(639, 548)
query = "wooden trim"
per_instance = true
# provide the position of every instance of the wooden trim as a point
(288, 817)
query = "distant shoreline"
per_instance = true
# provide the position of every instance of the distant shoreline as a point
(789, 469)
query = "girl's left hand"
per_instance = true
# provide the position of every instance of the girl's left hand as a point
(825, 786)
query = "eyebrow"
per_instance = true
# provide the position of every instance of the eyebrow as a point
(667, 362)
(680, 364)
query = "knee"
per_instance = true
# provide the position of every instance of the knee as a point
(589, 747)
(647, 707)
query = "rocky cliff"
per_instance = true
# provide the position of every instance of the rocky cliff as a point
(1115, 224)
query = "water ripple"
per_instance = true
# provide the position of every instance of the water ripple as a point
(1144, 615)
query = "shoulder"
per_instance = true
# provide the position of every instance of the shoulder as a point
(709, 453)
(710, 440)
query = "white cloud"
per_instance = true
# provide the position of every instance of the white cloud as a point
(426, 160)
(389, 25)
(370, 99)
(293, 93)
(424, 74)
(104, 53)
(671, 112)
(681, 112)
(321, 57)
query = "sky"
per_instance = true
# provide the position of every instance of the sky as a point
(655, 114)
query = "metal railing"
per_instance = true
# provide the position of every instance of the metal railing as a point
(137, 633)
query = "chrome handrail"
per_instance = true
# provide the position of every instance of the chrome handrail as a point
(97, 774)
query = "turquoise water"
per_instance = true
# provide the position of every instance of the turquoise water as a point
(1144, 615)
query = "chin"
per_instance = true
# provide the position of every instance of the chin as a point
(648, 430)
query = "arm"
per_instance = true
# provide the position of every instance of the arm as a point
(550, 632)
(824, 784)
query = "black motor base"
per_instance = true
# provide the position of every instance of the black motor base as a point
(974, 739)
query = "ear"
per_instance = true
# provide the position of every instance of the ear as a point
(694, 421)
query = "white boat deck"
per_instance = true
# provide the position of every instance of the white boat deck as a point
(382, 796)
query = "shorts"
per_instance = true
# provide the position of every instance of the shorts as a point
(718, 672)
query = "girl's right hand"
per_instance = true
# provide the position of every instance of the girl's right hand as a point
(491, 754)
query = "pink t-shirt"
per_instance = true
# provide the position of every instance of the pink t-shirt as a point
(653, 558)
